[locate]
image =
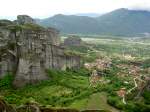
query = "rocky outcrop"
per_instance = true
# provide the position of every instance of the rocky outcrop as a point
(27, 50)
(24, 19)
(73, 40)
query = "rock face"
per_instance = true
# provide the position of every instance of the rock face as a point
(27, 50)
(24, 19)
(73, 41)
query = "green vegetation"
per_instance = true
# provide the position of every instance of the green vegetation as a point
(60, 90)
(125, 54)
(64, 89)
(71, 88)
(32, 27)
(5, 22)
(15, 28)
(146, 95)
(6, 82)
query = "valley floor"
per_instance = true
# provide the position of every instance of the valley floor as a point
(127, 59)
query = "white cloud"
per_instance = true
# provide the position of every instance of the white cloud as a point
(45, 8)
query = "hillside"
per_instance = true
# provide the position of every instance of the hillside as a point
(122, 22)
(71, 24)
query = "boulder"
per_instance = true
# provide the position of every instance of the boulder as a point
(25, 19)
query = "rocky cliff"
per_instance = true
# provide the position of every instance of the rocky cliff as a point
(27, 50)
(73, 40)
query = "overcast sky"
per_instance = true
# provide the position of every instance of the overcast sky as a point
(46, 8)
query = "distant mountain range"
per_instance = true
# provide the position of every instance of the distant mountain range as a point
(89, 14)
(121, 22)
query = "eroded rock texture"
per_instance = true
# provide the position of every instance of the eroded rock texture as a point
(73, 40)
(23, 19)
(27, 50)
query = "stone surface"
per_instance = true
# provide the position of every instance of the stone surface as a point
(24, 19)
(28, 50)
(73, 40)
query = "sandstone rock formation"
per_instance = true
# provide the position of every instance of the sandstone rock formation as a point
(24, 19)
(27, 50)
(73, 40)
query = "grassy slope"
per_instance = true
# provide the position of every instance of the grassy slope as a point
(95, 101)
(64, 89)
(99, 101)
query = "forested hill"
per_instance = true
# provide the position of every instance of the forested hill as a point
(122, 22)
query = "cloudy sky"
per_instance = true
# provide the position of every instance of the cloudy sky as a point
(46, 8)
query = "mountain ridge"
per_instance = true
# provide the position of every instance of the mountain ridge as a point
(122, 22)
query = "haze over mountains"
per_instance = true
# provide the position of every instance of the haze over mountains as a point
(89, 14)
(121, 22)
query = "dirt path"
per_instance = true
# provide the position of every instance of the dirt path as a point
(135, 86)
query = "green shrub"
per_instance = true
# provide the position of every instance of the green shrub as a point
(130, 107)
(115, 101)
(6, 81)
(137, 107)
(146, 96)
(146, 63)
